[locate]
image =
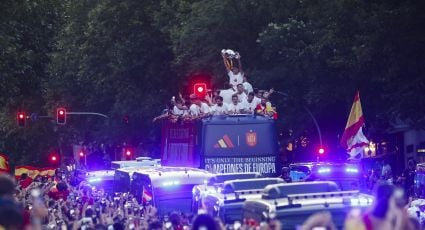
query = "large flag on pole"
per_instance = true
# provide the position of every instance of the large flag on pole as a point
(353, 139)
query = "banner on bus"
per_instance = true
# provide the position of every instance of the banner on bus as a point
(178, 144)
(239, 140)
(264, 164)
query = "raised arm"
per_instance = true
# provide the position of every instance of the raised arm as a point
(182, 98)
(239, 62)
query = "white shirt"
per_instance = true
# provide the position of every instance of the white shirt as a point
(219, 110)
(204, 108)
(250, 106)
(248, 87)
(234, 109)
(257, 100)
(178, 112)
(227, 95)
(242, 97)
(235, 79)
(194, 110)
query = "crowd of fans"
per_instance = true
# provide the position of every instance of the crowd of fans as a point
(239, 98)
(61, 203)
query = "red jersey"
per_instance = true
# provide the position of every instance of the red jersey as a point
(26, 182)
(56, 195)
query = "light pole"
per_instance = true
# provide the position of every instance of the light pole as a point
(319, 133)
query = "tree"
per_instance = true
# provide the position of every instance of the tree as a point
(26, 38)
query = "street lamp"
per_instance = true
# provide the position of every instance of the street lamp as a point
(319, 133)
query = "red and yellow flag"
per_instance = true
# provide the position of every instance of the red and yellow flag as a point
(353, 139)
(4, 163)
(33, 171)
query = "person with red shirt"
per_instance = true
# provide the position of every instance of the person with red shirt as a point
(61, 192)
(25, 181)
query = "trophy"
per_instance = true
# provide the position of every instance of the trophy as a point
(228, 56)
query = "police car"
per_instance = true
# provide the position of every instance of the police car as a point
(228, 202)
(167, 188)
(293, 203)
(123, 178)
(214, 184)
(346, 175)
(101, 179)
(106, 178)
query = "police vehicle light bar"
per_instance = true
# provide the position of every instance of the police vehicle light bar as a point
(170, 183)
(351, 170)
(305, 196)
(324, 170)
(92, 180)
(244, 192)
(361, 201)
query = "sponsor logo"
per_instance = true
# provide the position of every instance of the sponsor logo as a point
(251, 138)
(224, 142)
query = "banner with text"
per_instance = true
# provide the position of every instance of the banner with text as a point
(178, 144)
(239, 144)
(263, 164)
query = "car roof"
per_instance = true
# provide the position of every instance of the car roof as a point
(283, 190)
(249, 184)
(161, 176)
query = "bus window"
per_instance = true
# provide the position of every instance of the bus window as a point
(121, 181)
(141, 184)
(173, 198)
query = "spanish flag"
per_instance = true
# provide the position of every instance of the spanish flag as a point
(4, 163)
(353, 139)
(33, 171)
(146, 195)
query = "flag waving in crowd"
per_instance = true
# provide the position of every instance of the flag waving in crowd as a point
(353, 139)
(146, 196)
(33, 172)
(4, 163)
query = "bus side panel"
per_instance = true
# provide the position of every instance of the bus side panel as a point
(178, 144)
(239, 145)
